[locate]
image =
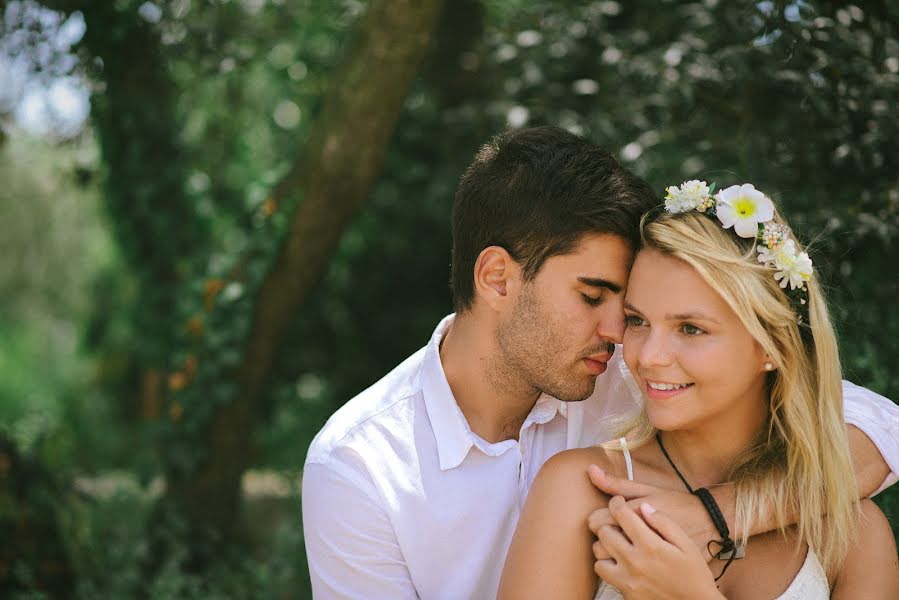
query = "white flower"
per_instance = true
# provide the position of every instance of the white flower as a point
(743, 207)
(793, 268)
(689, 196)
(766, 255)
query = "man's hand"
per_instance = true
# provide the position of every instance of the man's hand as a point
(648, 553)
(680, 506)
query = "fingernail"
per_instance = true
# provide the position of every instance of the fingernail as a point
(597, 470)
(647, 508)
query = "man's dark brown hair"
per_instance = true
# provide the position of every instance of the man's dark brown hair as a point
(536, 192)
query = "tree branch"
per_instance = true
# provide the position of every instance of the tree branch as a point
(333, 176)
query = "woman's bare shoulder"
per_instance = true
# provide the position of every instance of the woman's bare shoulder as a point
(576, 461)
(551, 552)
(564, 482)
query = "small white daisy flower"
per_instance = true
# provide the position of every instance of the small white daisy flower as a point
(690, 195)
(766, 255)
(800, 271)
(792, 267)
(743, 207)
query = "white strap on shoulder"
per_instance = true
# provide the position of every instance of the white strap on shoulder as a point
(627, 458)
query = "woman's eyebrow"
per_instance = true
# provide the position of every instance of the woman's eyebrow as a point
(630, 307)
(695, 316)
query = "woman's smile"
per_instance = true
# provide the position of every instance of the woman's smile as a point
(659, 390)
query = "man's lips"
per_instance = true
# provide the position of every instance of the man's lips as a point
(597, 364)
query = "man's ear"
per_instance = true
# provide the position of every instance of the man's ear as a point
(497, 277)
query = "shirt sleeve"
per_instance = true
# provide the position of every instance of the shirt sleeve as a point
(878, 418)
(351, 546)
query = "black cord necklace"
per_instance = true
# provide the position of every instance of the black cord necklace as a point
(671, 462)
(729, 550)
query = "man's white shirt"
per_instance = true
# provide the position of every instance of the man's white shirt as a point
(402, 500)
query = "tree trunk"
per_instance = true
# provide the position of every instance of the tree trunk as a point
(333, 176)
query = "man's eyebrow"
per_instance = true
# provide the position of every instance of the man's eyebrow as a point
(601, 283)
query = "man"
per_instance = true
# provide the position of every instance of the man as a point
(414, 487)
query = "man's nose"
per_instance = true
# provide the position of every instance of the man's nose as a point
(611, 325)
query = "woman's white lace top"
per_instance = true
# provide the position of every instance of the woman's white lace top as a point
(810, 583)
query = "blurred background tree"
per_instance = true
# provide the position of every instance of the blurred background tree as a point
(195, 279)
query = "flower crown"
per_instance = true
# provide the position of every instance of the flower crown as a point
(751, 214)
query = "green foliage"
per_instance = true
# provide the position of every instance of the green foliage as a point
(116, 555)
(55, 244)
(39, 520)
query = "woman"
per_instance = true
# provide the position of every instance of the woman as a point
(729, 338)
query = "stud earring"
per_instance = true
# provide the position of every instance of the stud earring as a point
(769, 366)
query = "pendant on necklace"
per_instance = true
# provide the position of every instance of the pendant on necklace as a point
(739, 549)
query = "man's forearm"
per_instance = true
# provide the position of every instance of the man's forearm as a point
(726, 497)
(869, 466)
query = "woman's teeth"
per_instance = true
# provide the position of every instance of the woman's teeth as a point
(668, 386)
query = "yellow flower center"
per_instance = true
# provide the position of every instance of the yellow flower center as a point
(744, 207)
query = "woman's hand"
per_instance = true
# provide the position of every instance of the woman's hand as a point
(680, 506)
(651, 556)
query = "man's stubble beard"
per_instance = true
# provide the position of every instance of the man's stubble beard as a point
(535, 356)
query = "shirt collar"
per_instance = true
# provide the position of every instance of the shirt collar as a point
(545, 410)
(451, 430)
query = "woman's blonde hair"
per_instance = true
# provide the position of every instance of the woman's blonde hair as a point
(799, 464)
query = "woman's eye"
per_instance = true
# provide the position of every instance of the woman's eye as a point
(633, 321)
(690, 329)
(591, 300)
